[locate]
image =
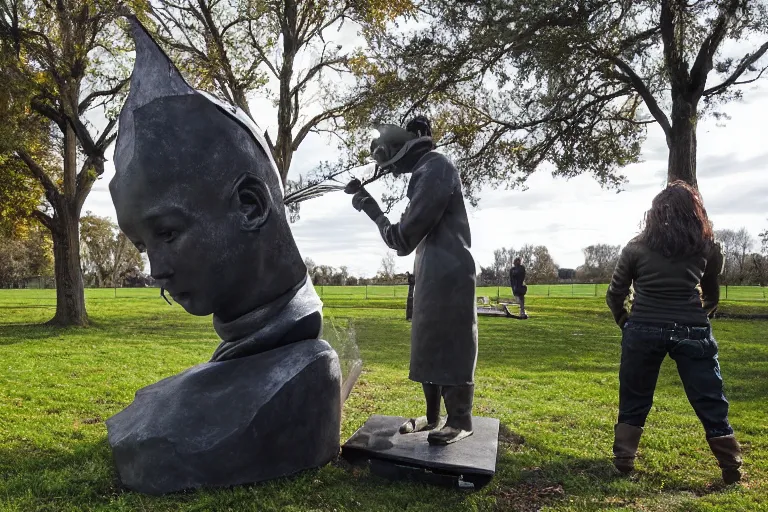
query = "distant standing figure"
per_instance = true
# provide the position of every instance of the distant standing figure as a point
(673, 255)
(409, 303)
(517, 283)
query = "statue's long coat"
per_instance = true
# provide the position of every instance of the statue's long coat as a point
(435, 224)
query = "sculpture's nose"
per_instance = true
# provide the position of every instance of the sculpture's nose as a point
(159, 269)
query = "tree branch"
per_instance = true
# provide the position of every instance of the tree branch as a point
(83, 106)
(261, 52)
(315, 70)
(639, 85)
(745, 63)
(319, 118)
(703, 63)
(51, 190)
(45, 220)
(673, 51)
(47, 111)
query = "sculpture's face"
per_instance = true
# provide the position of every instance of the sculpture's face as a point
(192, 241)
(176, 197)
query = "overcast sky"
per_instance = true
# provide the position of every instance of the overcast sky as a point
(564, 215)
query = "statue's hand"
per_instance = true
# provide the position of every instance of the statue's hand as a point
(362, 200)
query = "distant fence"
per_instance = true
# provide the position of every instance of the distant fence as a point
(755, 293)
(383, 292)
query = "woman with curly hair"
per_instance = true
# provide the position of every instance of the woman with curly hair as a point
(666, 263)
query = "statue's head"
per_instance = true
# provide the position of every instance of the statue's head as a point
(397, 149)
(196, 188)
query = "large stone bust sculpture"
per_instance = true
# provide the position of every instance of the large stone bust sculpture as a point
(196, 188)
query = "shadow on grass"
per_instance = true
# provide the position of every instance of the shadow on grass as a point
(11, 334)
(29, 306)
(85, 471)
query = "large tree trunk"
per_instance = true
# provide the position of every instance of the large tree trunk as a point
(70, 297)
(682, 142)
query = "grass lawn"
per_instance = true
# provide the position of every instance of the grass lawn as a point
(552, 381)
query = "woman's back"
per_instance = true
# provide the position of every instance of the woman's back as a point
(666, 289)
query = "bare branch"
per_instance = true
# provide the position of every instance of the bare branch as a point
(743, 66)
(262, 54)
(83, 106)
(319, 118)
(314, 70)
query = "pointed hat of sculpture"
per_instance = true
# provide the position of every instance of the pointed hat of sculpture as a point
(155, 76)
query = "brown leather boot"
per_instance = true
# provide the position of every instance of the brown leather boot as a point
(728, 454)
(625, 442)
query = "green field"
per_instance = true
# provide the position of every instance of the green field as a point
(551, 380)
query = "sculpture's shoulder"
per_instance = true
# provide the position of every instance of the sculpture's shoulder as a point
(275, 366)
(436, 168)
(239, 385)
(252, 418)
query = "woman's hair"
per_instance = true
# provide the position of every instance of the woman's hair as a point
(516, 261)
(677, 225)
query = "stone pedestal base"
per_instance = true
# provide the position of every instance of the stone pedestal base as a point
(469, 463)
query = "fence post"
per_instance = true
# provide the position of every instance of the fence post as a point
(322, 291)
(548, 287)
(571, 289)
(595, 289)
(498, 293)
(726, 291)
(366, 292)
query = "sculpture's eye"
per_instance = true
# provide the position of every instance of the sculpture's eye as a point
(168, 236)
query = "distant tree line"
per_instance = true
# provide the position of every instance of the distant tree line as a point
(325, 275)
(745, 262)
(108, 259)
(746, 259)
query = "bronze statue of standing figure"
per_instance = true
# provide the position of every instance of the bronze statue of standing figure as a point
(435, 225)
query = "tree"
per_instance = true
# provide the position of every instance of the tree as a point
(541, 267)
(729, 247)
(744, 243)
(106, 253)
(499, 270)
(599, 262)
(227, 48)
(24, 256)
(64, 58)
(513, 84)
(387, 270)
(13, 263)
(756, 271)
(764, 241)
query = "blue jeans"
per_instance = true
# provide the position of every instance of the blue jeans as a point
(694, 349)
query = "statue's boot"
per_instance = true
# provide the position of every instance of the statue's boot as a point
(728, 454)
(625, 443)
(430, 421)
(458, 403)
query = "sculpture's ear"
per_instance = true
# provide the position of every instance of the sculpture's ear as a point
(253, 201)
